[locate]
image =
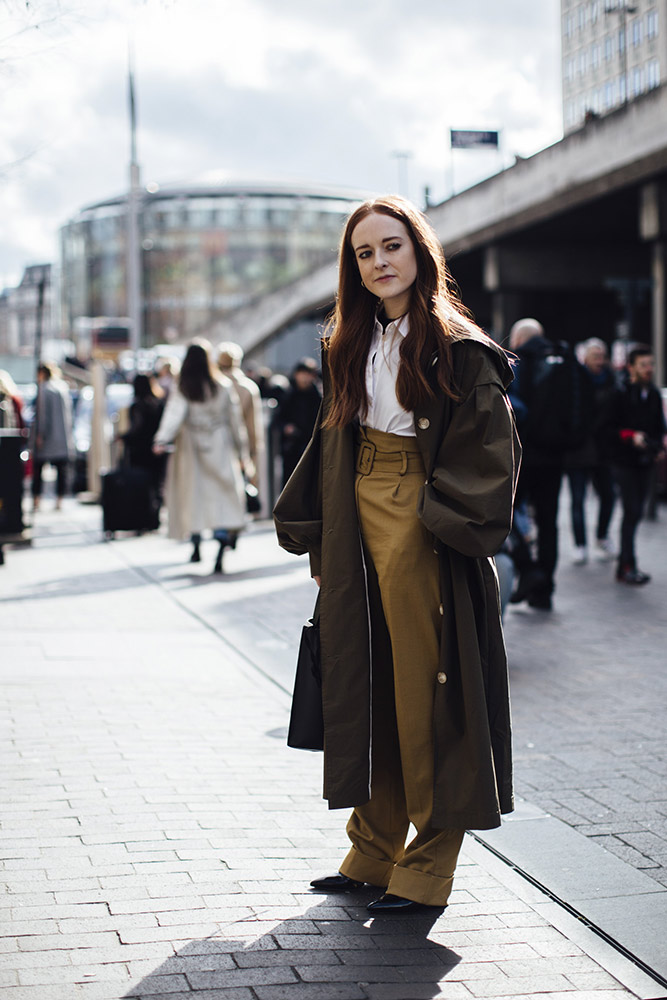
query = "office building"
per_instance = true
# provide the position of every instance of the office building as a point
(613, 51)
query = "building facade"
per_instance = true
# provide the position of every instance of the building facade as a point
(612, 52)
(205, 251)
(27, 312)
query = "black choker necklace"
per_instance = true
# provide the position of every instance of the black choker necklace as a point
(387, 320)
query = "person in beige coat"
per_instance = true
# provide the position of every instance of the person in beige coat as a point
(230, 356)
(205, 486)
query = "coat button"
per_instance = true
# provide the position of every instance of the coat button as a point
(423, 423)
(441, 610)
(442, 677)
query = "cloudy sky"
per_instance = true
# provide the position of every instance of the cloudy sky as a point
(317, 91)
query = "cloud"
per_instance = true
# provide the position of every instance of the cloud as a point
(323, 92)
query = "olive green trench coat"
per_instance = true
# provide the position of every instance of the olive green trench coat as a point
(471, 455)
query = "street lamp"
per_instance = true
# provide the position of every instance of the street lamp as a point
(622, 9)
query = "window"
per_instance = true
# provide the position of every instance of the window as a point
(636, 81)
(652, 23)
(621, 41)
(595, 55)
(569, 25)
(582, 62)
(609, 48)
(609, 94)
(653, 74)
(622, 88)
(581, 15)
(636, 30)
(594, 11)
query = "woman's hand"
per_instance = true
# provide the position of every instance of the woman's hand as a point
(318, 580)
(159, 449)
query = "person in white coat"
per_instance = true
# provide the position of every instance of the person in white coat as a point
(205, 487)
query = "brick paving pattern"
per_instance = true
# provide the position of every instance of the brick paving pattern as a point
(589, 689)
(157, 837)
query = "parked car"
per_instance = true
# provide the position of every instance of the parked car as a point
(119, 396)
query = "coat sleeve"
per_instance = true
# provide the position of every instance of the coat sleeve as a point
(298, 511)
(467, 502)
(173, 416)
(237, 426)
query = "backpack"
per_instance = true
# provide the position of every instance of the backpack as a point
(558, 399)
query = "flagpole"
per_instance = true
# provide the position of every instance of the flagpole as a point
(133, 250)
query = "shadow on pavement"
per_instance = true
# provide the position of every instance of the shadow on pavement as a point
(334, 944)
(143, 575)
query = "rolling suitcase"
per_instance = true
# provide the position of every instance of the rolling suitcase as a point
(129, 502)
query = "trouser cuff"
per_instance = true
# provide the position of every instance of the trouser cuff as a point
(432, 890)
(364, 869)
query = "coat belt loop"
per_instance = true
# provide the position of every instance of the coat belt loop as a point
(402, 471)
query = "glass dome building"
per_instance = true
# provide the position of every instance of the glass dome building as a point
(206, 250)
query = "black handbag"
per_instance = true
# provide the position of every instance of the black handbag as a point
(252, 502)
(306, 726)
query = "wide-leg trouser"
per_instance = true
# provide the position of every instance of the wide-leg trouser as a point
(403, 567)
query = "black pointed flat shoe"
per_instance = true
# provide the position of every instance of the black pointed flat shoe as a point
(390, 905)
(336, 883)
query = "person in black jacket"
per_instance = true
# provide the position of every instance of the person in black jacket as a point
(297, 414)
(551, 397)
(590, 462)
(145, 415)
(636, 427)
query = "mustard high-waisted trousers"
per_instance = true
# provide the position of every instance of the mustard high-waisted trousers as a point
(403, 575)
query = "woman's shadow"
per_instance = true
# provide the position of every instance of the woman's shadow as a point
(334, 943)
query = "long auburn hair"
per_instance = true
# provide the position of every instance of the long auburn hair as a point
(436, 316)
(197, 380)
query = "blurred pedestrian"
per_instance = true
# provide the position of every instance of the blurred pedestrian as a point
(205, 488)
(230, 357)
(415, 458)
(51, 431)
(145, 415)
(636, 430)
(550, 399)
(590, 462)
(297, 414)
(11, 407)
(166, 373)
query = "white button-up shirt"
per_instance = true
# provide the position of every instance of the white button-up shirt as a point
(385, 413)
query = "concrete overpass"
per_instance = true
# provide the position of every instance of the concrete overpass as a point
(575, 235)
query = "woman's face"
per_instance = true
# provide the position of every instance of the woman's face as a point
(386, 260)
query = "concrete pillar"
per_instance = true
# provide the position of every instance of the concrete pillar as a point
(653, 229)
(506, 309)
(659, 308)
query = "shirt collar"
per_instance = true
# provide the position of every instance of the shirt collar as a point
(402, 325)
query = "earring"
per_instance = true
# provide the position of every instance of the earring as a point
(362, 283)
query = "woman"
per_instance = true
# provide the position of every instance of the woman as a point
(402, 496)
(205, 488)
(145, 415)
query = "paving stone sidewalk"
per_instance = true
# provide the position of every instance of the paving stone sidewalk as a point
(589, 689)
(157, 836)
